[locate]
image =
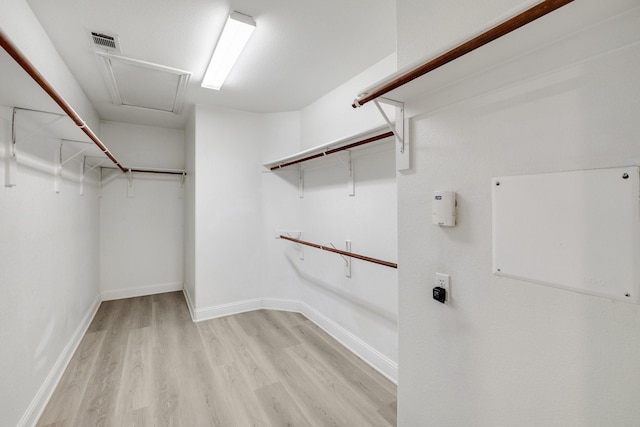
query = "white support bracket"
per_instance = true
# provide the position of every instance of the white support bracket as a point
(293, 235)
(59, 164)
(347, 260)
(348, 164)
(347, 268)
(131, 191)
(57, 169)
(398, 129)
(85, 171)
(106, 177)
(300, 182)
(43, 125)
(183, 181)
(11, 160)
(63, 162)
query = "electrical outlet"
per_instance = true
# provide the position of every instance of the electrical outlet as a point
(442, 281)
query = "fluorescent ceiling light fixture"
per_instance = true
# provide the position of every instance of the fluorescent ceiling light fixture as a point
(235, 35)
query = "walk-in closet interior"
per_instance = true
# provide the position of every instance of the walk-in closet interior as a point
(391, 212)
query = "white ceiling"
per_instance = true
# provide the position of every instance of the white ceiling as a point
(301, 49)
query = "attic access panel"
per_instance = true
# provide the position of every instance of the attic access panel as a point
(143, 84)
(575, 230)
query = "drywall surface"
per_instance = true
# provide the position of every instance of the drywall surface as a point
(361, 310)
(365, 303)
(190, 209)
(22, 27)
(332, 117)
(440, 25)
(48, 273)
(281, 207)
(144, 146)
(228, 220)
(240, 207)
(141, 221)
(507, 352)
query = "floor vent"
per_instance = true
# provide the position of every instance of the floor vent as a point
(106, 41)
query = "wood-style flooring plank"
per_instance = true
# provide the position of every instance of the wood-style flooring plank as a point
(65, 402)
(390, 412)
(255, 370)
(143, 362)
(355, 405)
(135, 382)
(279, 406)
(316, 402)
(349, 366)
(379, 379)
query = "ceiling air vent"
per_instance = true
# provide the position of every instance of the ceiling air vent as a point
(105, 41)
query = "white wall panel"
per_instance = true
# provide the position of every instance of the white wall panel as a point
(142, 231)
(48, 275)
(502, 352)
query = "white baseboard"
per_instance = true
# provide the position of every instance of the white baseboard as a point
(364, 351)
(206, 313)
(190, 301)
(158, 288)
(40, 400)
(282, 304)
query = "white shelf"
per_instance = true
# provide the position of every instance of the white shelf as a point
(328, 146)
(576, 32)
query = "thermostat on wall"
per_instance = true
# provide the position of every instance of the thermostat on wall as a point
(444, 208)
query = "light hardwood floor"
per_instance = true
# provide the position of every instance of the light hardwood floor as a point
(143, 362)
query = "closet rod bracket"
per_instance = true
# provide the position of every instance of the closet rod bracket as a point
(398, 129)
(300, 181)
(348, 164)
(131, 191)
(11, 158)
(298, 234)
(347, 259)
(85, 171)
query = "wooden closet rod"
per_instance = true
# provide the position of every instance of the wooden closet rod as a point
(345, 253)
(138, 170)
(539, 10)
(33, 72)
(335, 150)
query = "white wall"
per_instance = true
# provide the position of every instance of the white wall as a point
(281, 207)
(239, 205)
(19, 23)
(506, 352)
(48, 273)
(366, 303)
(228, 221)
(361, 311)
(141, 231)
(332, 117)
(48, 241)
(190, 210)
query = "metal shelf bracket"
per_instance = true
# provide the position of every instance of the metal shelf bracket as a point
(398, 129)
(11, 159)
(85, 171)
(347, 259)
(59, 164)
(296, 235)
(301, 181)
(348, 164)
(131, 191)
